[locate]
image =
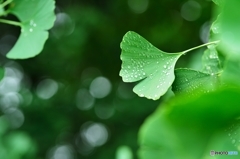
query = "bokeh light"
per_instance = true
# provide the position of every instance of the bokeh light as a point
(95, 134)
(191, 10)
(138, 6)
(47, 88)
(100, 87)
(84, 99)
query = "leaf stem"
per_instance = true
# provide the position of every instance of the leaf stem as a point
(10, 22)
(206, 44)
(6, 3)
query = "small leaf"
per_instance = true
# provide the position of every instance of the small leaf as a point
(36, 18)
(210, 60)
(189, 128)
(142, 61)
(215, 29)
(194, 82)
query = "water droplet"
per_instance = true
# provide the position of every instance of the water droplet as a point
(158, 86)
(216, 29)
(31, 30)
(141, 95)
(144, 73)
(164, 66)
(186, 80)
(229, 134)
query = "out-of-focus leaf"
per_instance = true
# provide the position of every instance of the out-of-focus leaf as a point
(124, 152)
(230, 32)
(205, 122)
(193, 82)
(231, 72)
(36, 18)
(142, 61)
(210, 60)
(215, 29)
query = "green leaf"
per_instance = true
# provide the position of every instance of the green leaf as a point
(192, 127)
(210, 60)
(142, 61)
(36, 18)
(194, 82)
(215, 29)
(230, 32)
(2, 11)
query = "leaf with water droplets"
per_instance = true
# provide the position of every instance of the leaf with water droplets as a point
(142, 61)
(194, 82)
(36, 17)
(211, 61)
(189, 128)
(215, 29)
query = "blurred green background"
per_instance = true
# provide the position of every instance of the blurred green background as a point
(69, 102)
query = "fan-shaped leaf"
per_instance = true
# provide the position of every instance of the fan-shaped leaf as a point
(142, 61)
(36, 17)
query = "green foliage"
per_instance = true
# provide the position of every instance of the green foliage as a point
(143, 61)
(229, 25)
(15, 145)
(190, 129)
(36, 17)
(206, 109)
(193, 82)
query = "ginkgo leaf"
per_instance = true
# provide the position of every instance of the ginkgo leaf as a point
(194, 82)
(142, 61)
(211, 61)
(36, 17)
